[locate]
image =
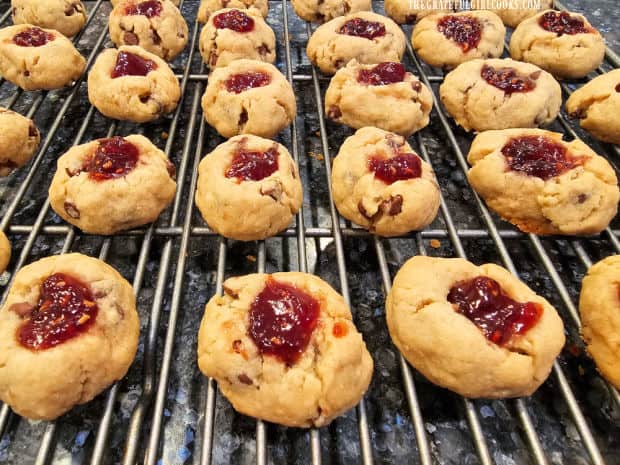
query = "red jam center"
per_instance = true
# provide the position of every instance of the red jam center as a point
(241, 82)
(234, 19)
(149, 9)
(382, 74)
(483, 301)
(32, 37)
(128, 64)
(464, 30)
(66, 308)
(538, 156)
(402, 166)
(618, 87)
(114, 158)
(253, 166)
(359, 27)
(507, 79)
(563, 23)
(282, 319)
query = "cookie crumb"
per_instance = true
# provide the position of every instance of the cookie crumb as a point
(164, 135)
(251, 258)
(435, 243)
(316, 156)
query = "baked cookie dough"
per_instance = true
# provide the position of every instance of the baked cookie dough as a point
(597, 105)
(38, 59)
(300, 367)
(408, 12)
(248, 97)
(366, 36)
(542, 184)
(500, 94)
(447, 40)
(248, 188)
(565, 44)
(383, 95)
(208, 7)
(155, 25)
(132, 84)
(19, 138)
(319, 11)
(174, 2)
(380, 183)
(65, 16)
(599, 307)
(232, 34)
(109, 185)
(68, 329)
(512, 17)
(476, 330)
(5, 252)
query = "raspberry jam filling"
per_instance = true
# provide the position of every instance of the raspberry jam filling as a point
(402, 166)
(618, 87)
(32, 37)
(464, 30)
(65, 309)
(508, 79)
(282, 319)
(114, 158)
(236, 20)
(483, 301)
(150, 9)
(359, 27)
(382, 74)
(563, 23)
(538, 156)
(128, 64)
(253, 166)
(241, 82)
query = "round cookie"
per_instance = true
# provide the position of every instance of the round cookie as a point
(408, 12)
(301, 367)
(155, 25)
(383, 95)
(19, 138)
(232, 34)
(248, 97)
(600, 316)
(512, 17)
(365, 36)
(208, 7)
(500, 94)
(542, 184)
(174, 2)
(132, 84)
(453, 322)
(565, 44)
(68, 329)
(380, 183)
(248, 188)
(319, 11)
(5, 252)
(65, 16)
(38, 59)
(114, 184)
(447, 40)
(597, 105)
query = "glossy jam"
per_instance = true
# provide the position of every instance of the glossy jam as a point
(236, 20)
(483, 301)
(464, 30)
(538, 156)
(238, 83)
(150, 9)
(253, 166)
(618, 87)
(359, 27)
(402, 166)
(65, 309)
(32, 37)
(382, 74)
(340, 329)
(128, 64)
(114, 158)
(507, 79)
(282, 319)
(563, 23)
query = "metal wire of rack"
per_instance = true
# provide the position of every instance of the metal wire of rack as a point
(143, 428)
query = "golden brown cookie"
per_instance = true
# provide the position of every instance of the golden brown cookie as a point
(65, 16)
(208, 7)
(283, 348)
(319, 11)
(408, 12)
(19, 138)
(517, 11)
(476, 330)
(5, 252)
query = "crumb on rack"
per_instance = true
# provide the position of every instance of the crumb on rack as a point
(164, 135)
(250, 258)
(316, 156)
(435, 244)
